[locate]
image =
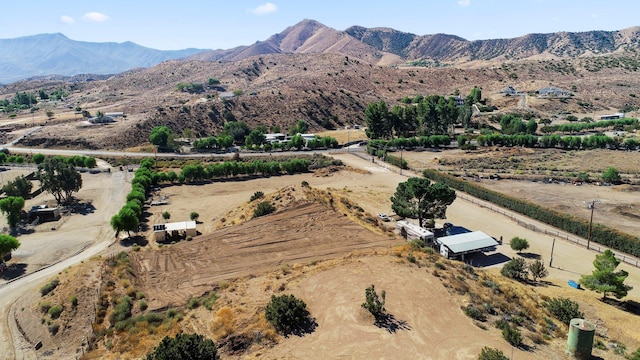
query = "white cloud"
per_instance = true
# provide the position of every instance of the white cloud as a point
(67, 19)
(95, 17)
(264, 9)
(464, 3)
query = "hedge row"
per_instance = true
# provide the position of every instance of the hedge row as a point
(589, 126)
(600, 233)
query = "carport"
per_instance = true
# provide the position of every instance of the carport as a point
(466, 243)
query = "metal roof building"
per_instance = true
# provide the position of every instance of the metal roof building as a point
(466, 243)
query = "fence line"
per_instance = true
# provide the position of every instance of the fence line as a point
(628, 259)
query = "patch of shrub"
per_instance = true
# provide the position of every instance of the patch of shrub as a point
(142, 305)
(263, 208)
(193, 303)
(44, 307)
(184, 346)
(474, 313)
(488, 353)
(564, 309)
(55, 311)
(257, 195)
(49, 287)
(210, 300)
(512, 335)
(286, 312)
(74, 301)
(53, 329)
(516, 269)
(122, 311)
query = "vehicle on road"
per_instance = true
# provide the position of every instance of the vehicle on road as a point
(384, 217)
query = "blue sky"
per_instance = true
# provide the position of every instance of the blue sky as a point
(215, 24)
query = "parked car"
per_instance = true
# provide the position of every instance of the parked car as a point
(384, 217)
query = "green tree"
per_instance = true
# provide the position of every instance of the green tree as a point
(377, 117)
(184, 347)
(374, 303)
(38, 158)
(263, 208)
(516, 268)
(125, 220)
(488, 353)
(161, 136)
(194, 216)
(12, 207)
(611, 175)
(297, 141)
(418, 198)
(564, 309)
(213, 81)
(537, 270)
(238, 130)
(7, 244)
(286, 312)
(89, 162)
(18, 187)
(255, 137)
(518, 244)
(59, 178)
(604, 279)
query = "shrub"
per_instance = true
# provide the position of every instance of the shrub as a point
(55, 311)
(374, 303)
(166, 215)
(74, 301)
(304, 183)
(515, 269)
(257, 195)
(122, 311)
(491, 354)
(184, 347)
(194, 216)
(564, 309)
(44, 307)
(194, 303)
(142, 305)
(49, 287)
(512, 335)
(286, 313)
(263, 208)
(474, 313)
(518, 244)
(53, 329)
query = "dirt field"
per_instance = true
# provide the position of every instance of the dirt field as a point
(307, 232)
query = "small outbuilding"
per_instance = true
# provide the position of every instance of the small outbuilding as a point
(411, 231)
(43, 213)
(174, 231)
(466, 243)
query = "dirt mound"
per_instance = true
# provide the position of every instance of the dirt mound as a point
(306, 232)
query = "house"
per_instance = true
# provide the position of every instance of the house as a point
(553, 91)
(174, 231)
(618, 115)
(411, 231)
(459, 245)
(275, 137)
(509, 90)
(459, 100)
(114, 114)
(226, 95)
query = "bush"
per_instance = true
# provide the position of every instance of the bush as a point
(55, 311)
(373, 302)
(74, 301)
(512, 335)
(564, 309)
(194, 303)
(286, 313)
(257, 195)
(515, 269)
(263, 208)
(49, 287)
(53, 329)
(44, 307)
(491, 354)
(122, 310)
(166, 215)
(518, 244)
(142, 305)
(474, 313)
(184, 347)
(194, 216)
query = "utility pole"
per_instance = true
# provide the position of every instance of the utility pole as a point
(592, 206)
(553, 244)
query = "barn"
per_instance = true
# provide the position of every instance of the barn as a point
(466, 243)
(174, 231)
(411, 231)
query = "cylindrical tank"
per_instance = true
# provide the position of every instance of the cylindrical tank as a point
(580, 339)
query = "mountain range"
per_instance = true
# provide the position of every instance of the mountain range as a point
(55, 54)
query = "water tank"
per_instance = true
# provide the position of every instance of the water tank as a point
(580, 339)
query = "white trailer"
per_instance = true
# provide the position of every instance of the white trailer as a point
(412, 231)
